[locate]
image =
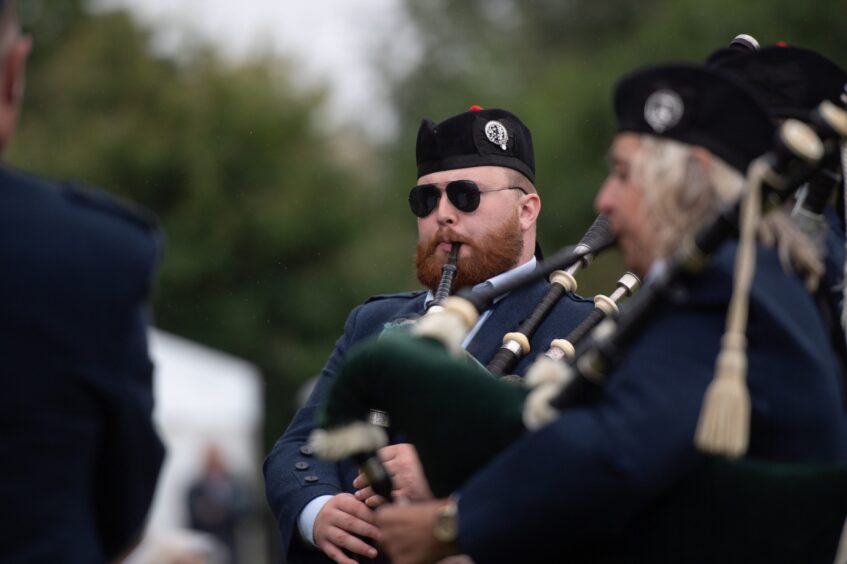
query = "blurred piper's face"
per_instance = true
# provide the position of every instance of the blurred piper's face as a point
(496, 236)
(621, 199)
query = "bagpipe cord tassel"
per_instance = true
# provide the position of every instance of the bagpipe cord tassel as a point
(724, 425)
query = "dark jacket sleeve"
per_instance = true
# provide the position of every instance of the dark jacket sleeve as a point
(288, 489)
(80, 456)
(586, 475)
(290, 486)
(130, 453)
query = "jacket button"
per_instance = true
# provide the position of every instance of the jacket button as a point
(302, 465)
(306, 450)
(311, 479)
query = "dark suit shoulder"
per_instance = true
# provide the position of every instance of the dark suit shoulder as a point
(33, 192)
(377, 311)
(88, 238)
(399, 296)
(130, 213)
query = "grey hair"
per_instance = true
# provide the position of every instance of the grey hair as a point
(681, 193)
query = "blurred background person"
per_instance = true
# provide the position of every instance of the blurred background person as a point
(219, 502)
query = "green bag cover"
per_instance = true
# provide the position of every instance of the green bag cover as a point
(725, 512)
(429, 396)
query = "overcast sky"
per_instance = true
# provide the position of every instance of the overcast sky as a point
(334, 40)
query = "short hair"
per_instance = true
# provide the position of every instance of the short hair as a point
(519, 179)
(681, 195)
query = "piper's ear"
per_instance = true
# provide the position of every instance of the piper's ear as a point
(530, 207)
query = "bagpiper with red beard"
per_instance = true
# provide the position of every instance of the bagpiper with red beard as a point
(476, 187)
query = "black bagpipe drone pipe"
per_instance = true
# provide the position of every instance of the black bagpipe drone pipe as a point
(808, 214)
(604, 307)
(517, 344)
(448, 272)
(458, 415)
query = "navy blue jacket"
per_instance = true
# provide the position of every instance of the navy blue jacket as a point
(79, 457)
(289, 489)
(591, 472)
(831, 292)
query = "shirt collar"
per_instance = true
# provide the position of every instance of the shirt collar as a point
(656, 269)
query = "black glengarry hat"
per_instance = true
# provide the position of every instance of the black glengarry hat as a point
(790, 80)
(741, 45)
(477, 137)
(696, 105)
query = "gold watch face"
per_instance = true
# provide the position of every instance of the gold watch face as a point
(446, 527)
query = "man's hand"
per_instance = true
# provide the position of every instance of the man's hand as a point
(407, 476)
(337, 524)
(405, 533)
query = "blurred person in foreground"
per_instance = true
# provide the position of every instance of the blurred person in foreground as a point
(80, 457)
(686, 136)
(476, 186)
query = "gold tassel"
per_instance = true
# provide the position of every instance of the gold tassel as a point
(724, 426)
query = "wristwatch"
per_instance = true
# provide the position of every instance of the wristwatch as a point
(446, 527)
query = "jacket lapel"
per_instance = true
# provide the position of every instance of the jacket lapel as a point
(506, 316)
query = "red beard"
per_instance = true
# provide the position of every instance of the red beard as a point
(491, 256)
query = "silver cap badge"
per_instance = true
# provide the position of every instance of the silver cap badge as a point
(378, 418)
(497, 134)
(663, 110)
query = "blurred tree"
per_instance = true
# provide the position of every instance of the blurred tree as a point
(555, 63)
(255, 203)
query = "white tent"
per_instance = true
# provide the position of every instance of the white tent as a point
(203, 397)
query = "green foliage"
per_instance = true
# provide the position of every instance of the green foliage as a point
(555, 63)
(254, 202)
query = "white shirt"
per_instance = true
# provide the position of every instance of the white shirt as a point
(656, 269)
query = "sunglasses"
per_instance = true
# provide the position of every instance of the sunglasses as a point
(463, 194)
